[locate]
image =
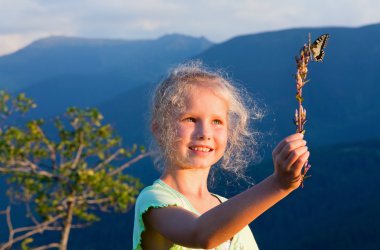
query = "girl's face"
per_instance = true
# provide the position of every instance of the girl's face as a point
(201, 129)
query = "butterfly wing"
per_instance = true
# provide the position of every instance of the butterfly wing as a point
(317, 48)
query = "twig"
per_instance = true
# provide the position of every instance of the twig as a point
(127, 164)
(300, 113)
(32, 230)
(51, 245)
(10, 226)
(50, 147)
(30, 214)
(77, 157)
(27, 170)
(103, 163)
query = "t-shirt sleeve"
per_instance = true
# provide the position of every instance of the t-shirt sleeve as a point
(149, 198)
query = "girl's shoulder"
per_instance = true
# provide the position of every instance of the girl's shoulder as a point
(159, 194)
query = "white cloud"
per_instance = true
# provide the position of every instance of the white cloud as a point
(22, 21)
(10, 43)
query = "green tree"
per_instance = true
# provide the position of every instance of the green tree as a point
(62, 181)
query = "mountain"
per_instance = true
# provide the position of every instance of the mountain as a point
(64, 71)
(342, 97)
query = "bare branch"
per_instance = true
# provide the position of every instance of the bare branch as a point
(26, 170)
(10, 226)
(8, 244)
(51, 245)
(81, 225)
(30, 214)
(103, 163)
(53, 228)
(129, 163)
(68, 222)
(77, 157)
(32, 230)
(98, 201)
(50, 147)
(25, 163)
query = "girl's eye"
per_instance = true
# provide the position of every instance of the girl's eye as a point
(217, 122)
(189, 119)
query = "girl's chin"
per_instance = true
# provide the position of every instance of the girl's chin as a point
(197, 163)
(193, 165)
(197, 167)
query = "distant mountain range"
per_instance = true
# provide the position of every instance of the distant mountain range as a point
(342, 100)
(58, 72)
(342, 97)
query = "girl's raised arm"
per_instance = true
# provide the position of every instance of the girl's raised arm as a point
(225, 220)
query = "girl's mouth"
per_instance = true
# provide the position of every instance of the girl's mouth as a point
(201, 149)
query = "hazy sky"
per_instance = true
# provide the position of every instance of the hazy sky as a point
(23, 21)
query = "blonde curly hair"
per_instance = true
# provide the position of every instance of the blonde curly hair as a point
(169, 99)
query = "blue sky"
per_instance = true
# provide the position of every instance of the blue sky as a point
(23, 21)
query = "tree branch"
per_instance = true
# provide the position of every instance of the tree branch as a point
(30, 214)
(103, 163)
(98, 201)
(10, 226)
(81, 225)
(128, 163)
(51, 148)
(32, 230)
(51, 245)
(25, 163)
(27, 170)
(77, 157)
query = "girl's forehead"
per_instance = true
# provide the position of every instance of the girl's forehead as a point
(211, 90)
(205, 99)
(212, 85)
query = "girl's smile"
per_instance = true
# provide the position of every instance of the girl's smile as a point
(201, 148)
(201, 129)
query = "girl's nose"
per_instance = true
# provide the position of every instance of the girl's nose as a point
(204, 132)
(204, 137)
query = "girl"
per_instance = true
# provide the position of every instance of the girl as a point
(199, 119)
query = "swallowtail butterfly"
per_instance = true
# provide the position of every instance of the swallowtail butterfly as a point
(317, 47)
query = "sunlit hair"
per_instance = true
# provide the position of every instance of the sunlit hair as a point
(169, 101)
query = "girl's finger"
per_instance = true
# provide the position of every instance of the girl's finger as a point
(301, 161)
(288, 150)
(285, 141)
(294, 156)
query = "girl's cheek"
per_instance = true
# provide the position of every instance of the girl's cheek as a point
(181, 131)
(222, 136)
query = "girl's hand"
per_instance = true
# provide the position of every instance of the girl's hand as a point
(289, 156)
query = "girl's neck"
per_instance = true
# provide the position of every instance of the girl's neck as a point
(189, 182)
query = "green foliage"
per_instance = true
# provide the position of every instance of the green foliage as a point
(8, 104)
(78, 168)
(24, 244)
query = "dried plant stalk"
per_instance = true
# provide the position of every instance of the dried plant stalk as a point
(300, 113)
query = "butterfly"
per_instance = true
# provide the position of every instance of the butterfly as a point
(318, 46)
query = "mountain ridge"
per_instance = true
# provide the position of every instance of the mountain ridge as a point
(54, 56)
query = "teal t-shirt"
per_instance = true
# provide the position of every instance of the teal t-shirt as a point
(162, 195)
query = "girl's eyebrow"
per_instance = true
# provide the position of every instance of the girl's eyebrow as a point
(214, 116)
(218, 116)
